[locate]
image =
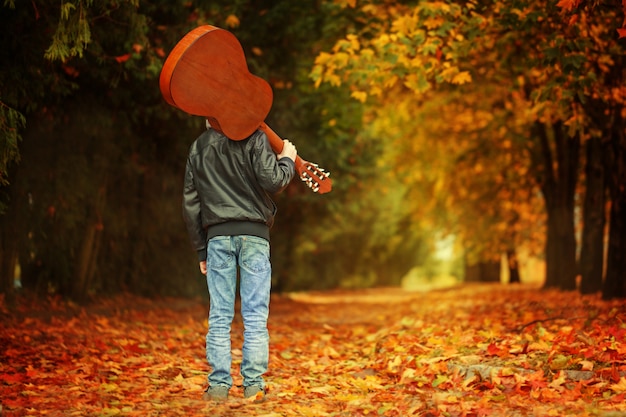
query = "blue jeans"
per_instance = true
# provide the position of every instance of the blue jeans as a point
(252, 255)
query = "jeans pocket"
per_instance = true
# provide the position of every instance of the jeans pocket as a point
(255, 254)
(219, 253)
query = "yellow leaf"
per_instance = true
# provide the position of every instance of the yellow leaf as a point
(232, 21)
(559, 362)
(393, 365)
(323, 58)
(620, 386)
(109, 387)
(369, 383)
(106, 411)
(376, 91)
(391, 81)
(367, 53)
(333, 79)
(586, 365)
(344, 3)
(326, 389)
(408, 375)
(347, 397)
(355, 45)
(331, 352)
(558, 382)
(462, 78)
(359, 95)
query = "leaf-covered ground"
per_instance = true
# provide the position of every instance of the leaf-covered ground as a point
(479, 350)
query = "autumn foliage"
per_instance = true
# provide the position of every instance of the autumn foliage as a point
(468, 351)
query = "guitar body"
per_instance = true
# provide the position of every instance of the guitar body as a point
(206, 74)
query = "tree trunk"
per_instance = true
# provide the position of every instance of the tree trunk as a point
(615, 281)
(557, 176)
(511, 259)
(8, 260)
(482, 272)
(84, 269)
(594, 220)
(85, 265)
(9, 242)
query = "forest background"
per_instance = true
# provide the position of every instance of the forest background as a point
(458, 134)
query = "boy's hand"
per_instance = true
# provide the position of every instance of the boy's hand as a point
(289, 151)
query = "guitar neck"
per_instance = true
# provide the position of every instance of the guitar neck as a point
(312, 175)
(277, 144)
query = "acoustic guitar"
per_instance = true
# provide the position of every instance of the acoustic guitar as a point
(206, 74)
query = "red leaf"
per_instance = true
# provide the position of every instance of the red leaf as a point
(71, 71)
(18, 403)
(12, 378)
(122, 58)
(494, 350)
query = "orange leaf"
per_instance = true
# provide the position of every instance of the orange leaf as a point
(621, 32)
(122, 58)
(566, 4)
(494, 350)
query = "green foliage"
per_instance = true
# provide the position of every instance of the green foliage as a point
(11, 122)
(72, 35)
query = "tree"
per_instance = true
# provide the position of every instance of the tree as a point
(594, 220)
(602, 104)
(558, 186)
(547, 62)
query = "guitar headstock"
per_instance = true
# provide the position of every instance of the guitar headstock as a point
(316, 178)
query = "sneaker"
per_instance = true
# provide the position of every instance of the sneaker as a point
(254, 392)
(217, 393)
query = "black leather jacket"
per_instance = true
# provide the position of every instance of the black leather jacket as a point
(227, 186)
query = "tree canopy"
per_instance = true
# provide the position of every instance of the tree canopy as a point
(540, 77)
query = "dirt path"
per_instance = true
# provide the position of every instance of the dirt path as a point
(467, 351)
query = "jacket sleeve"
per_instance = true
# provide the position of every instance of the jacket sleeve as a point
(192, 214)
(272, 174)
